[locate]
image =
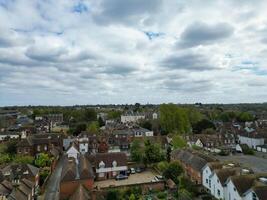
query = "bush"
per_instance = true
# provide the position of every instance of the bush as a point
(162, 195)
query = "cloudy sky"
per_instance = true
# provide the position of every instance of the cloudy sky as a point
(67, 52)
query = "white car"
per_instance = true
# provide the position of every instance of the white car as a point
(132, 171)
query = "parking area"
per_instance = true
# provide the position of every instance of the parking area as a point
(143, 177)
(257, 164)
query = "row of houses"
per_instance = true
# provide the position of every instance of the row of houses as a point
(19, 181)
(81, 170)
(226, 181)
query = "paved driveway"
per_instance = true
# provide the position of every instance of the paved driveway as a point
(52, 188)
(143, 177)
(257, 164)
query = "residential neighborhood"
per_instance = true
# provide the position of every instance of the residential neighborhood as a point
(103, 155)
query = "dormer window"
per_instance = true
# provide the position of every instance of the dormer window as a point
(101, 164)
(7, 173)
(114, 163)
(26, 172)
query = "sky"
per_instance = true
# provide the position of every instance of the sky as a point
(68, 52)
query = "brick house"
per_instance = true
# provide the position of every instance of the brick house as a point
(39, 143)
(192, 163)
(109, 165)
(74, 174)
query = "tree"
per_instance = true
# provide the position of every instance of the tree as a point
(112, 195)
(174, 119)
(178, 142)
(162, 166)
(202, 125)
(168, 153)
(93, 127)
(4, 158)
(23, 159)
(245, 117)
(153, 153)
(146, 124)
(132, 197)
(173, 171)
(137, 152)
(114, 114)
(11, 147)
(43, 160)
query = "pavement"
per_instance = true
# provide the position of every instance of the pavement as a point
(256, 163)
(52, 188)
(142, 177)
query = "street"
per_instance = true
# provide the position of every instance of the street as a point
(52, 188)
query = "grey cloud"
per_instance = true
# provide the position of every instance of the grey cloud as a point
(122, 11)
(118, 70)
(189, 61)
(187, 85)
(45, 54)
(200, 33)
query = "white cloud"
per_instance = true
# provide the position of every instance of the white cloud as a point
(84, 51)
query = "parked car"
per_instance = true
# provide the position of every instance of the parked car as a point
(132, 171)
(121, 177)
(138, 170)
(128, 172)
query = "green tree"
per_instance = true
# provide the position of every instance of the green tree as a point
(43, 160)
(162, 166)
(153, 153)
(173, 171)
(114, 114)
(245, 117)
(137, 152)
(11, 147)
(93, 127)
(113, 195)
(23, 159)
(132, 197)
(178, 142)
(174, 119)
(202, 125)
(4, 158)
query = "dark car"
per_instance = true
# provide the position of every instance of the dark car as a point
(121, 177)
(138, 170)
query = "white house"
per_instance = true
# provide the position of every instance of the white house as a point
(155, 115)
(252, 140)
(83, 144)
(73, 152)
(218, 179)
(132, 118)
(140, 132)
(207, 172)
(246, 187)
(262, 148)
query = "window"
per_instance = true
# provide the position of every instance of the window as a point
(218, 192)
(218, 181)
(45, 147)
(207, 181)
(38, 148)
(234, 189)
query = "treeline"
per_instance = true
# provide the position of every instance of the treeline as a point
(188, 119)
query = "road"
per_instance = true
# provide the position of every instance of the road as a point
(52, 188)
(257, 164)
